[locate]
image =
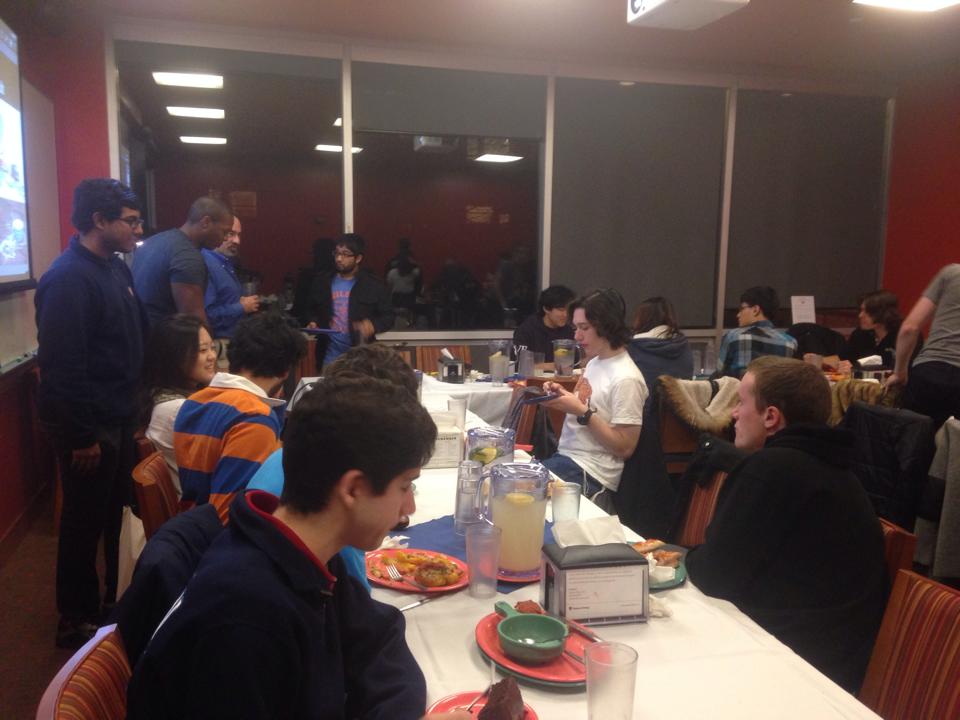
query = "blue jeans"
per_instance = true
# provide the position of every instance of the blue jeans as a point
(568, 471)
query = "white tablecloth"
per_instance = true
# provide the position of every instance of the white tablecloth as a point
(489, 402)
(708, 660)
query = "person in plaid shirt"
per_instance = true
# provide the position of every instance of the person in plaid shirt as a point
(756, 335)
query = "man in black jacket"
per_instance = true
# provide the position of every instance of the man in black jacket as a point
(795, 543)
(90, 335)
(351, 301)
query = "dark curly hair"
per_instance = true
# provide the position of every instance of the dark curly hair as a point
(606, 311)
(265, 345)
(375, 360)
(765, 297)
(352, 422)
(100, 195)
(881, 306)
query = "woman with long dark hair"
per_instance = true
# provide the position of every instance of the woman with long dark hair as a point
(180, 358)
(658, 347)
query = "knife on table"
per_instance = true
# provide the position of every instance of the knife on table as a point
(419, 602)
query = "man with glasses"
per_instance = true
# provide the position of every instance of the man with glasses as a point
(351, 302)
(223, 301)
(755, 335)
(91, 335)
(169, 273)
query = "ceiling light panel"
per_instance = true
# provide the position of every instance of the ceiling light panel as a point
(202, 140)
(911, 5)
(195, 112)
(194, 80)
(495, 158)
(336, 148)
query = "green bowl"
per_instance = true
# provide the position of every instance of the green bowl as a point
(529, 638)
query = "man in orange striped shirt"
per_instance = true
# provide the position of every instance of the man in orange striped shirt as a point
(225, 431)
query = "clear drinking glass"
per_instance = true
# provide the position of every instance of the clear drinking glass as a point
(483, 559)
(467, 511)
(565, 499)
(611, 678)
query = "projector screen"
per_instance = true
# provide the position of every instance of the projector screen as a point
(15, 269)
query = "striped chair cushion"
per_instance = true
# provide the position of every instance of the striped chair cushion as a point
(97, 689)
(914, 673)
(703, 504)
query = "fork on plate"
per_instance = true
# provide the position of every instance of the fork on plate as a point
(397, 577)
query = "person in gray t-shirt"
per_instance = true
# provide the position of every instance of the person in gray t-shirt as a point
(169, 274)
(933, 382)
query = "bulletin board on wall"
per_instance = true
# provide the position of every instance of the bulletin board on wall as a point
(18, 329)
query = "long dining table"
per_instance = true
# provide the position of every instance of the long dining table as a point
(706, 660)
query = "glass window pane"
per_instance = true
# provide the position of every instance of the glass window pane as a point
(637, 190)
(277, 108)
(807, 196)
(471, 226)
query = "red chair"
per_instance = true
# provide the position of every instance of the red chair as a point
(914, 672)
(93, 683)
(703, 504)
(898, 548)
(156, 494)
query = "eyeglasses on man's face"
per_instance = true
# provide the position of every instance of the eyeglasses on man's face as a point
(343, 254)
(133, 221)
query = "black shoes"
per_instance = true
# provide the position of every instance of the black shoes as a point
(72, 633)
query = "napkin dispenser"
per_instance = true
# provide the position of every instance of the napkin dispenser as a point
(450, 370)
(595, 584)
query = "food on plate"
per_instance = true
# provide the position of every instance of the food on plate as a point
(486, 455)
(529, 606)
(504, 702)
(667, 558)
(437, 573)
(406, 562)
(648, 546)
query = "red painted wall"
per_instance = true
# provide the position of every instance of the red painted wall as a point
(69, 68)
(299, 201)
(923, 230)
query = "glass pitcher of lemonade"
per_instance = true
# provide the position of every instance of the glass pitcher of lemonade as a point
(517, 504)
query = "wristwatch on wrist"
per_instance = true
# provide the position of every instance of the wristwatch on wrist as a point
(585, 418)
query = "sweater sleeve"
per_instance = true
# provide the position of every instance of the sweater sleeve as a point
(64, 319)
(383, 679)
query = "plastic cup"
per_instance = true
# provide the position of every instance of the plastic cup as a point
(467, 511)
(565, 499)
(611, 679)
(527, 368)
(483, 559)
(458, 406)
(498, 369)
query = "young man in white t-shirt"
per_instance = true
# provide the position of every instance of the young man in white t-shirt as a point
(605, 409)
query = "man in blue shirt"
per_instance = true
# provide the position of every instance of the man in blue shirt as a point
(90, 333)
(168, 270)
(352, 302)
(223, 300)
(756, 335)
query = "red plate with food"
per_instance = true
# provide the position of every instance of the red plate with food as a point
(461, 700)
(434, 571)
(563, 671)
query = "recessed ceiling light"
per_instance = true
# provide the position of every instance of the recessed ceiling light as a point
(194, 112)
(627, 83)
(338, 122)
(201, 140)
(914, 5)
(493, 157)
(336, 148)
(194, 80)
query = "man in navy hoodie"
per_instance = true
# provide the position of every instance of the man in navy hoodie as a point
(271, 625)
(90, 334)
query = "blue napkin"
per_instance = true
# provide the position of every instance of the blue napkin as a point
(439, 536)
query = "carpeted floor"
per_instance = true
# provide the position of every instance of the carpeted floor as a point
(28, 621)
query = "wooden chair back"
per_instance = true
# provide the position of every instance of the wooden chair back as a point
(678, 441)
(428, 355)
(898, 547)
(700, 511)
(145, 446)
(155, 491)
(92, 685)
(914, 672)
